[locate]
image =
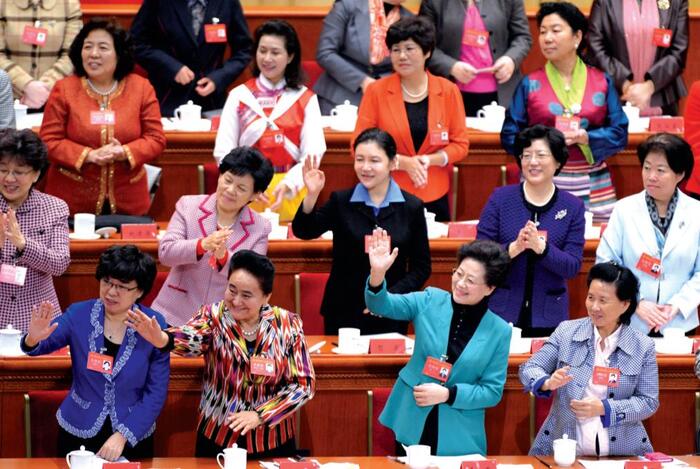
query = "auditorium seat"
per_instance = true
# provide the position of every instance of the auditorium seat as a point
(157, 285)
(510, 174)
(41, 439)
(308, 294)
(312, 70)
(207, 177)
(381, 441)
(539, 410)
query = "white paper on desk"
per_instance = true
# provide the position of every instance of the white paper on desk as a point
(594, 464)
(98, 461)
(390, 335)
(448, 462)
(514, 466)
(340, 465)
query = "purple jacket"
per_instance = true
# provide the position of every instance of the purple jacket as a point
(503, 217)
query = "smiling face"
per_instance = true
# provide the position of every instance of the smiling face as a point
(557, 40)
(604, 307)
(99, 56)
(272, 57)
(234, 192)
(538, 164)
(372, 165)
(244, 297)
(118, 296)
(16, 180)
(408, 58)
(469, 282)
(658, 178)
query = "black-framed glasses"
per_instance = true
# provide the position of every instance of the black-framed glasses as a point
(119, 288)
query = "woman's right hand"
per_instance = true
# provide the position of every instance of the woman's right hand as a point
(314, 178)
(415, 168)
(463, 72)
(558, 379)
(148, 328)
(101, 156)
(40, 326)
(381, 257)
(652, 314)
(215, 240)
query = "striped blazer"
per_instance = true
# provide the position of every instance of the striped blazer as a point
(229, 385)
(48, 63)
(192, 283)
(636, 398)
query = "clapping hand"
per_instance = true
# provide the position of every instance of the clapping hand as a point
(574, 137)
(215, 243)
(503, 69)
(558, 379)
(381, 256)
(531, 239)
(148, 328)
(40, 326)
(12, 231)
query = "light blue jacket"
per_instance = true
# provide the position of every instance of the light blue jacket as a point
(635, 399)
(630, 233)
(479, 373)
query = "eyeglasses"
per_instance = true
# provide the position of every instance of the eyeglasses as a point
(15, 173)
(541, 156)
(119, 288)
(458, 275)
(410, 50)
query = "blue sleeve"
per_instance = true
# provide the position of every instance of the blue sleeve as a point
(566, 261)
(516, 116)
(58, 338)
(401, 307)
(489, 222)
(611, 138)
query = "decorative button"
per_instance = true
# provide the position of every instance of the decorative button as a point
(612, 438)
(612, 394)
(546, 432)
(644, 440)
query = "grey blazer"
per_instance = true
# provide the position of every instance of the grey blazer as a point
(343, 51)
(509, 34)
(608, 49)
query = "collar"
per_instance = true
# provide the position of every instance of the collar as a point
(610, 341)
(393, 195)
(476, 311)
(266, 84)
(625, 339)
(539, 208)
(26, 206)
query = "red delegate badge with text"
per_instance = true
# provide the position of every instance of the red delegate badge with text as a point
(262, 366)
(486, 464)
(567, 124)
(649, 265)
(605, 376)
(475, 38)
(102, 117)
(662, 37)
(215, 33)
(34, 36)
(272, 139)
(100, 363)
(437, 369)
(439, 137)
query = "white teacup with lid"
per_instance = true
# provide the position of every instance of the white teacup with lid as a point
(493, 115)
(344, 117)
(234, 458)
(9, 341)
(80, 459)
(418, 456)
(564, 451)
(189, 114)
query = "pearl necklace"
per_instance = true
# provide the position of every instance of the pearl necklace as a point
(250, 334)
(529, 198)
(417, 95)
(101, 93)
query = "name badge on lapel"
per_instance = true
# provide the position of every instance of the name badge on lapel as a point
(662, 37)
(649, 265)
(13, 274)
(475, 38)
(214, 33)
(567, 124)
(437, 369)
(262, 366)
(34, 35)
(605, 376)
(439, 137)
(102, 118)
(100, 363)
(272, 139)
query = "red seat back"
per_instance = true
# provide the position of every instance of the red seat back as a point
(383, 440)
(312, 70)
(542, 406)
(512, 173)
(311, 289)
(211, 177)
(43, 427)
(157, 285)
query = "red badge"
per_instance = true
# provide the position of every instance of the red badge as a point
(643, 465)
(13, 274)
(662, 37)
(475, 38)
(34, 36)
(567, 124)
(262, 366)
(272, 139)
(437, 369)
(215, 33)
(102, 117)
(100, 363)
(139, 231)
(368, 238)
(387, 346)
(487, 464)
(649, 265)
(605, 376)
(439, 137)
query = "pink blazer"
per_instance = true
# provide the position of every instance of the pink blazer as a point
(191, 282)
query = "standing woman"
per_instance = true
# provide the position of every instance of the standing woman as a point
(480, 44)
(275, 113)
(423, 113)
(101, 125)
(576, 98)
(352, 49)
(643, 46)
(457, 336)
(352, 215)
(543, 229)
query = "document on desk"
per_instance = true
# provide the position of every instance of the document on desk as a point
(448, 462)
(594, 464)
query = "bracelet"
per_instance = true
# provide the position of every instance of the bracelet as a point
(445, 158)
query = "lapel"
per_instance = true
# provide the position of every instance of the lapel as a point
(435, 115)
(397, 110)
(96, 340)
(626, 342)
(364, 210)
(680, 223)
(385, 213)
(644, 226)
(362, 23)
(478, 341)
(245, 219)
(664, 23)
(207, 215)
(185, 16)
(617, 23)
(231, 330)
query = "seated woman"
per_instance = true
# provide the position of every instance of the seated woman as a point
(576, 98)
(101, 125)
(423, 113)
(275, 113)
(120, 381)
(543, 229)
(459, 364)
(352, 215)
(602, 400)
(656, 234)
(257, 369)
(33, 229)
(206, 229)
(351, 49)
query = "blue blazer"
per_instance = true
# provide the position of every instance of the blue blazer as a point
(635, 399)
(630, 233)
(132, 396)
(479, 373)
(501, 220)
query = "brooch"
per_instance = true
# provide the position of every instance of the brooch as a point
(560, 214)
(663, 4)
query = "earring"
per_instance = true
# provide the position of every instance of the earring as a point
(576, 45)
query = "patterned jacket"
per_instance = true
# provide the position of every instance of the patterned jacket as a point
(229, 385)
(26, 62)
(636, 398)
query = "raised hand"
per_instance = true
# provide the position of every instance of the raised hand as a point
(531, 239)
(558, 379)
(381, 257)
(40, 326)
(148, 328)
(314, 178)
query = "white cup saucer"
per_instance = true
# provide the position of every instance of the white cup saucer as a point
(84, 236)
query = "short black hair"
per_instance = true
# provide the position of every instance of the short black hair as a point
(569, 13)
(122, 46)
(126, 263)
(491, 255)
(257, 265)
(678, 153)
(382, 138)
(25, 147)
(293, 74)
(417, 28)
(248, 160)
(554, 138)
(625, 282)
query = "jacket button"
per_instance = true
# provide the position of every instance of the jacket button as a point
(546, 432)
(644, 440)
(612, 438)
(612, 394)
(13, 298)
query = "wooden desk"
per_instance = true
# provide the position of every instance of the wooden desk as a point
(335, 421)
(477, 175)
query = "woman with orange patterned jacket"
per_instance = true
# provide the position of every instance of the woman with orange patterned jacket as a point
(257, 368)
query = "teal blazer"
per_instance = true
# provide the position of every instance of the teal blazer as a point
(479, 373)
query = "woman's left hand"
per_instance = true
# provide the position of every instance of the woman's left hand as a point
(243, 421)
(503, 69)
(280, 192)
(430, 394)
(587, 408)
(113, 447)
(639, 94)
(13, 233)
(574, 137)
(205, 86)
